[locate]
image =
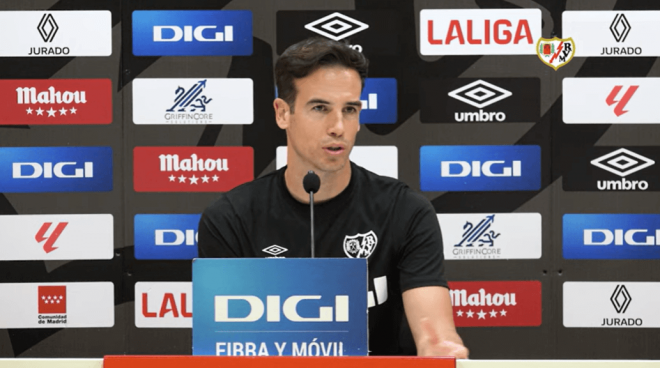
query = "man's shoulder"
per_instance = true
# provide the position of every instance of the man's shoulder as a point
(388, 188)
(248, 194)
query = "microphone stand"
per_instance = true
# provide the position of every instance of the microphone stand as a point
(311, 215)
(311, 184)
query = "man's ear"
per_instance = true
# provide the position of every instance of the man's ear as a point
(282, 113)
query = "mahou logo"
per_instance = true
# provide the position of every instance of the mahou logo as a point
(56, 101)
(191, 169)
(496, 303)
(479, 31)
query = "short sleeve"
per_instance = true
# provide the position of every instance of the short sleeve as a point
(421, 261)
(220, 232)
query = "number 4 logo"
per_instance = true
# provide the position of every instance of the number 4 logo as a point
(50, 240)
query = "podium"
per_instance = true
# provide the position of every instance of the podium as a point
(280, 307)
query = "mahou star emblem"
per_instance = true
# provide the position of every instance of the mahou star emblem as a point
(360, 245)
(555, 52)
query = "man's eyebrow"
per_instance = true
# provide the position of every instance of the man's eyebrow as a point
(317, 101)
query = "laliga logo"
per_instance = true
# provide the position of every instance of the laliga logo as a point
(187, 34)
(477, 169)
(273, 311)
(619, 236)
(48, 170)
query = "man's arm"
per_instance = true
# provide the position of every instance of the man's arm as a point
(220, 232)
(430, 316)
(425, 294)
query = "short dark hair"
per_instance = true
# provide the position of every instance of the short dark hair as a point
(305, 57)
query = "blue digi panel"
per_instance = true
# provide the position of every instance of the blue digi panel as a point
(166, 236)
(280, 306)
(55, 169)
(480, 168)
(611, 236)
(192, 32)
(379, 101)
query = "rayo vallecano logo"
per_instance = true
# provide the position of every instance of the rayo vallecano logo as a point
(555, 52)
(360, 245)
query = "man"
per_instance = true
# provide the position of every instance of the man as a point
(319, 83)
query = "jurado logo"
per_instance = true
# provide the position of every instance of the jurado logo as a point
(47, 29)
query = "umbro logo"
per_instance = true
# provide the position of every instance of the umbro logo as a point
(480, 94)
(611, 168)
(274, 250)
(336, 26)
(376, 32)
(622, 162)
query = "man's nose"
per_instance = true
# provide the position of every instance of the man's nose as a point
(336, 124)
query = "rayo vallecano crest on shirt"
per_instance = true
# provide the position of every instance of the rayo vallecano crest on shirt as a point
(360, 245)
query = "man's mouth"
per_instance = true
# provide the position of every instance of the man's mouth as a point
(334, 149)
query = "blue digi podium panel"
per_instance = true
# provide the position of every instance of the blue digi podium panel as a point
(280, 307)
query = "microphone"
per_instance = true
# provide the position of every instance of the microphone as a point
(311, 183)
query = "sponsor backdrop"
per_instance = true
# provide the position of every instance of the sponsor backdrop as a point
(122, 120)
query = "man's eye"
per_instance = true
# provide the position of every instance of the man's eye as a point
(351, 110)
(318, 108)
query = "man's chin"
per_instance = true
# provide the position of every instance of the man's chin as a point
(333, 166)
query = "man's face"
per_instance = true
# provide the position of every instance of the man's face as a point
(321, 132)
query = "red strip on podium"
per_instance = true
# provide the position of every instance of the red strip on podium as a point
(155, 361)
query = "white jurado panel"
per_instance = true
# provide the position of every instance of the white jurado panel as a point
(63, 33)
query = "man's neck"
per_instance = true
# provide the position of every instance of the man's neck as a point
(332, 183)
